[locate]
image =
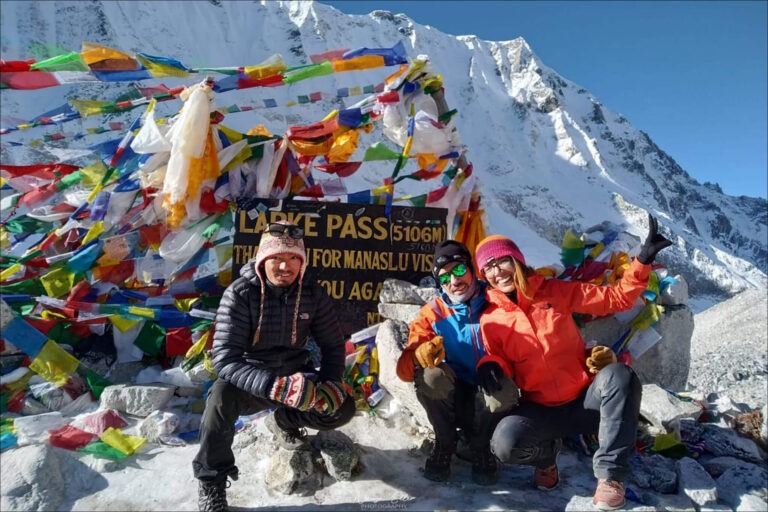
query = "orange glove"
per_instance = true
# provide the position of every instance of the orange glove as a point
(600, 357)
(430, 353)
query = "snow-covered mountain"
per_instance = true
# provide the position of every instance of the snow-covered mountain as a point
(550, 155)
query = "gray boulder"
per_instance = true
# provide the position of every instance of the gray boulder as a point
(668, 362)
(743, 480)
(654, 472)
(340, 454)
(138, 400)
(291, 472)
(390, 339)
(395, 291)
(695, 482)
(41, 477)
(664, 409)
(724, 441)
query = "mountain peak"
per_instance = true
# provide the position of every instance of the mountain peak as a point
(548, 154)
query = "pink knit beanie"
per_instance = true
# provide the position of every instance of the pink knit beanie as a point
(495, 247)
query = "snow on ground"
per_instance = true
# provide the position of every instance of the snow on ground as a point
(728, 356)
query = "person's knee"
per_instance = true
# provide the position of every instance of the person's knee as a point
(618, 376)
(342, 416)
(508, 438)
(436, 383)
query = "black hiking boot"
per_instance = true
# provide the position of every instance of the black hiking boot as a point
(290, 438)
(438, 465)
(485, 468)
(212, 497)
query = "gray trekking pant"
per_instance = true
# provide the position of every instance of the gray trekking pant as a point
(609, 407)
(451, 403)
(226, 402)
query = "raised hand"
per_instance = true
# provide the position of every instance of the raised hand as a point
(654, 243)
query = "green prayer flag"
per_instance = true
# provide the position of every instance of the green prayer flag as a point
(150, 339)
(71, 61)
(293, 75)
(26, 224)
(28, 286)
(102, 449)
(379, 151)
(96, 383)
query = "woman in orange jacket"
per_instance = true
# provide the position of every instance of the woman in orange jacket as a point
(531, 337)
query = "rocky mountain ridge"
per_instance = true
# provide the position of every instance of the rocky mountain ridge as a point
(550, 155)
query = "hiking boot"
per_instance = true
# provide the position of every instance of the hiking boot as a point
(546, 479)
(485, 468)
(212, 497)
(609, 494)
(438, 465)
(463, 450)
(288, 438)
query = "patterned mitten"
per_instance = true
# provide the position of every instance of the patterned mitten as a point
(330, 396)
(294, 390)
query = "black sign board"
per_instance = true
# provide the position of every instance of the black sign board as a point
(351, 248)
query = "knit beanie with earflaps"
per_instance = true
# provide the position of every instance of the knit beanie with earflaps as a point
(495, 247)
(272, 245)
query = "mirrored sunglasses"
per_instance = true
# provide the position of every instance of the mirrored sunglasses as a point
(285, 229)
(458, 271)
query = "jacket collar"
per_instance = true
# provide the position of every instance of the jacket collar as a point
(475, 303)
(500, 299)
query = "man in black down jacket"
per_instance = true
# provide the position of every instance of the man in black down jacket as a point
(259, 354)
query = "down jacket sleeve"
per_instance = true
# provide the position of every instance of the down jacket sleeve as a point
(232, 338)
(327, 334)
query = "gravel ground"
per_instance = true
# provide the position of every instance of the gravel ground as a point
(729, 350)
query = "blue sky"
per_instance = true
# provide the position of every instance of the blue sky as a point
(691, 74)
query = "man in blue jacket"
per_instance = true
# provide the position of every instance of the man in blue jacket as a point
(260, 356)
(444, 347)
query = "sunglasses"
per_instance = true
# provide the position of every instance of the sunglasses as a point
(285, 229)
(458, 271)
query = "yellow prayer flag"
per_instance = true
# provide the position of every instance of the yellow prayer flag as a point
(184, 305)
(648, 316)
(198, 347)
(94, 232)
(93, 174)
(88, 107)
(54, 364)
(128, 445)
(5, 274)
(159, 70)
(142, 312)
(57, 283)
(232, 135)
(270, 67)
(123, 324)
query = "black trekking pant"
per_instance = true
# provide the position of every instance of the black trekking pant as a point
(609, 407)
(451, 403)
(226, 402)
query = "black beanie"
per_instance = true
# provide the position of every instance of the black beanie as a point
(451, 250)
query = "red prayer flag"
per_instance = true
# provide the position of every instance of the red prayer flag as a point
(177, 341)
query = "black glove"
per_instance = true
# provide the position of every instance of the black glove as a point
(489, 377)
(653, 244)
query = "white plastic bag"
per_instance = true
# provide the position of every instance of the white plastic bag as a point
(151, 137)
(182, 244)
